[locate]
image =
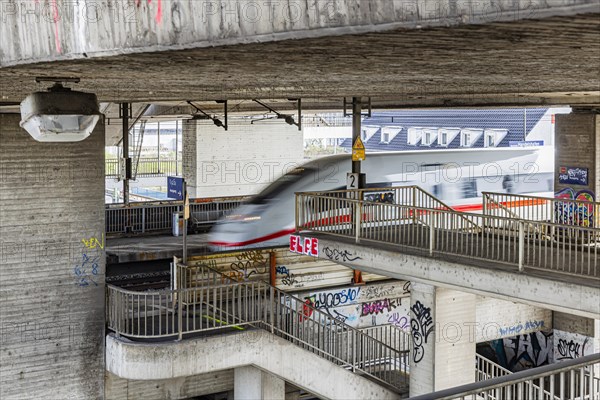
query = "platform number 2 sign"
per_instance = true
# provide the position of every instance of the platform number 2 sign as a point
(352, 181)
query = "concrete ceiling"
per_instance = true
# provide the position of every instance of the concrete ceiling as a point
(535, 62)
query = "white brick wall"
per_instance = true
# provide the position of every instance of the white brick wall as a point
(51, 266)
(499, 319)
(240, 161)
(455, 343)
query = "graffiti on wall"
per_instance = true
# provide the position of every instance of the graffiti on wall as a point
(421, 325)
(86, 271)
(398, 320)
(520, 327)
(93, 242)
(249, 263)
(568, 346)
(523, 351)
(379, 307)
(291, 280)
(340, 255)
(569, 213)
(87, 265)
(363, 306)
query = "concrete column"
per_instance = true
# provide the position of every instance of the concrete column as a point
(444, 338)
(52, 265)
(578, 146)
(422, 357)
(189, 157)
(455, 338)
(250, 383)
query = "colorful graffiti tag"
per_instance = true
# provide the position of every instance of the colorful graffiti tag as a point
(571, 213)
(362, 306)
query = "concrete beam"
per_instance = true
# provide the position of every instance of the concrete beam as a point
(36, 31)
(150, 361)
(544, 289)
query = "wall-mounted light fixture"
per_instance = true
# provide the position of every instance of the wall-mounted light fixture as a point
(60, 114)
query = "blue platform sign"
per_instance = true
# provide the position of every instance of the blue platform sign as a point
(175, 188)
(573, 176)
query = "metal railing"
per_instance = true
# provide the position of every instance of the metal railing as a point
(537, 208)
(487, 369)
(391, 335)
(436, 230)
(575, 379)
(146, 167)
(158, 216)
(235, 305)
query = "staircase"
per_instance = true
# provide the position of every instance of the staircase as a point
(207, 301)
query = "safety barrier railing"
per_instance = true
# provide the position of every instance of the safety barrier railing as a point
(487, 369)
(237, 306)
(146, 167)
(575, 379)
(537, 208)
(572, 250)
(158, 217)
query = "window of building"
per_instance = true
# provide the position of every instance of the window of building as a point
(388, 133)
(368, 131)
(468, 137)
(429, 136)
(447, 135)
(493, 137)
(414, 136)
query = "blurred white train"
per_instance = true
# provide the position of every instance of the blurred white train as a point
(457, 177)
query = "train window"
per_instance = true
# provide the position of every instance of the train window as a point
(281, 184)
(508, 184)
(469, 188)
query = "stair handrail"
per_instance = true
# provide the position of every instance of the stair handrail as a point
(308, 311)
(232, 281)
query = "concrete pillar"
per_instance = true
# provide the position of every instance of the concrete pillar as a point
(422, 357)
(444, 338)
(52, 265)
(455, 338)
(578, 146)
(189, 157)
(250, 383)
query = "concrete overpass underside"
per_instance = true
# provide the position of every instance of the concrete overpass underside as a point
(549, 61)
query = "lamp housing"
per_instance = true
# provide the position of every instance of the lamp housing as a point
(60, 115)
